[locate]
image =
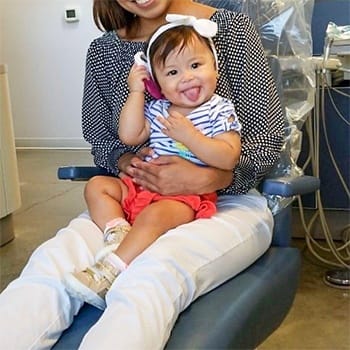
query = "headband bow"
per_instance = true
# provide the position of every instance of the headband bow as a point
(202, 26)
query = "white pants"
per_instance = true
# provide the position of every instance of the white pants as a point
(146, 299)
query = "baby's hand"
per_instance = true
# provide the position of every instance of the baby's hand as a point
(136, 78)
(178, 127)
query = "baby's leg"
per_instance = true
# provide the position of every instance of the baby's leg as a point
(92, 283)
(103, 195)
(153, 221)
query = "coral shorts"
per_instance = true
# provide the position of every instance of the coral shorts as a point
(204, 206)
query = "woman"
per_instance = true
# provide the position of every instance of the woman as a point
(145, 301)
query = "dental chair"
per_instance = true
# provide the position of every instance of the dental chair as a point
(244, 311)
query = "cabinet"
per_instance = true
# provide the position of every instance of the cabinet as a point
(10, 198)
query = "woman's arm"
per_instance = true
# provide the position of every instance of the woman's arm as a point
(100, 107)
(255, 97)
(172, 175)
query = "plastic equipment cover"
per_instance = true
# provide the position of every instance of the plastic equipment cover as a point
(285, 30)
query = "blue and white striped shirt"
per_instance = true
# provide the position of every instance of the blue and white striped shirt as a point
(213, 117)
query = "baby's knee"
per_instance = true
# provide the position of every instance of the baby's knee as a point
(93, 185)
(96, 185)
(99, 186)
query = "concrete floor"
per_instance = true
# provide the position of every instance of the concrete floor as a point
(319, 318)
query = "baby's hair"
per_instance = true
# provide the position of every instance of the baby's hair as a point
(175, 38)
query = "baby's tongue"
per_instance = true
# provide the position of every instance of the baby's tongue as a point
(192, 94)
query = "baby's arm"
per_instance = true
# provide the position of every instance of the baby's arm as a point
(221, 151)
(133, 126)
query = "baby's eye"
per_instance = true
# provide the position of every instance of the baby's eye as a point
(172, 72)
(194, 65)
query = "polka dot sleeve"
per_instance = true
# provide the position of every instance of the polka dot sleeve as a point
(246, 79)
(108, 63)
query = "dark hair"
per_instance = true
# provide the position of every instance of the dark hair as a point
(177, 37)
(109, 15)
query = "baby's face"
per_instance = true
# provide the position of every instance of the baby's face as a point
(188, 77)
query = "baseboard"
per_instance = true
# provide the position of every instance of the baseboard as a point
(51, 142)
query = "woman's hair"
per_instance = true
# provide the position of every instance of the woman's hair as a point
(109, 15)
(178, 37)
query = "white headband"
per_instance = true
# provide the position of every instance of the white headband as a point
(202, 26)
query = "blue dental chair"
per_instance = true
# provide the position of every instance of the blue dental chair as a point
(247, 309)
(242, 312)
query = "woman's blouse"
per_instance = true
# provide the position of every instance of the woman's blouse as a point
(244, 78)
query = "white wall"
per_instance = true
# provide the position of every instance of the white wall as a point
(46, 62)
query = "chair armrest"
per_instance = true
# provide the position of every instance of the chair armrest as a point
(290, 186)
(80, 173)
(282, 186)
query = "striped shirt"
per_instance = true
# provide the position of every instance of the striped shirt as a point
(213, 117)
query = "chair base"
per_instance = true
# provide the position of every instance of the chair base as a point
(339, 278)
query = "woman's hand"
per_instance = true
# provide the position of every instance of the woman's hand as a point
(125, 161)
(171, 175)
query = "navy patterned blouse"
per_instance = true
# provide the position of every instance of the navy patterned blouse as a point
(244, 77)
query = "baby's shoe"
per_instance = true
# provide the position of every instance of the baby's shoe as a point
(92, 284)
(114, 233)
